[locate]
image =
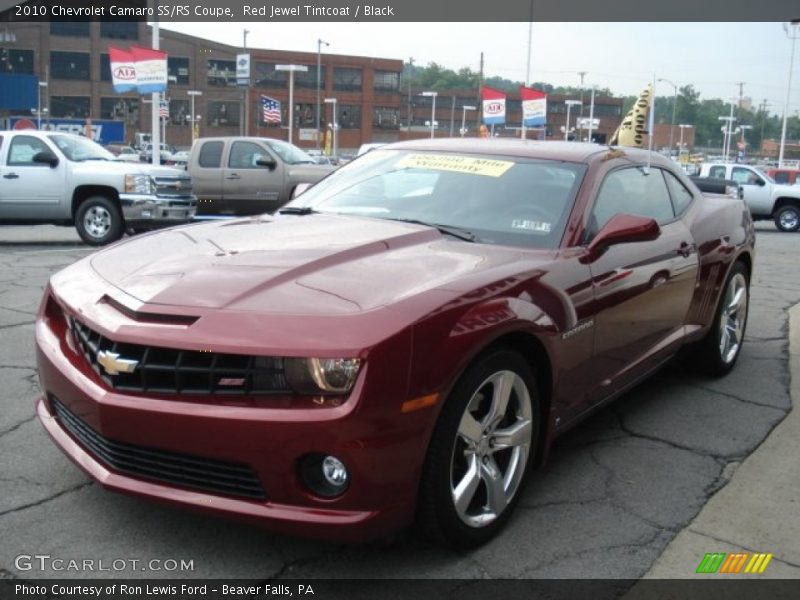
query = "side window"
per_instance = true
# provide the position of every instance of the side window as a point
(244, 155)
(632, 192)
(22, 150)
(210, 155)
(781, 177)
(744, 176)
(681, 197)
(717, 172)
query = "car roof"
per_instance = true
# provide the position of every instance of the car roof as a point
(580, 152)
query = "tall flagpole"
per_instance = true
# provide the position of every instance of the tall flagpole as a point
(527, 70)
(155, 106)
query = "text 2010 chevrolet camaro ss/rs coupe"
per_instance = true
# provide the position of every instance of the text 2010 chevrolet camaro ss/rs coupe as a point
(401, 343)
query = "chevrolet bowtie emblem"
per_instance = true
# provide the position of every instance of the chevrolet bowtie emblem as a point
(114, 365)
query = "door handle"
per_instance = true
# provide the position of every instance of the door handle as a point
(10, 176)
(234, 176)
(685, 249)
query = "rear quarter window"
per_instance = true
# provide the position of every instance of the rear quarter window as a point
(210, 155)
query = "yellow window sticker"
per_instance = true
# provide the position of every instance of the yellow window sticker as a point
(458, 164)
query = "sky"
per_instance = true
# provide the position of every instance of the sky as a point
(714, 57)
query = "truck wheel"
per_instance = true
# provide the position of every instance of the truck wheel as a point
(99, 221)
(787, 218)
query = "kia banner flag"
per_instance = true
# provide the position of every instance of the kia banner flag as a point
(534, 107)
(123, 70)
(151, 70)
(494, 106)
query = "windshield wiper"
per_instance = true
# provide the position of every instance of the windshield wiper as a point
(457, 232)
(297, 210)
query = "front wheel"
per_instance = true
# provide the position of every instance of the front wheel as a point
(480, 452)
(99, 221)
(787, 218)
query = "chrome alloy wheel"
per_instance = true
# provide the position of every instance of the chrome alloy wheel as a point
(788, 220)
(97, 221)
(491, 448)
(733, 318)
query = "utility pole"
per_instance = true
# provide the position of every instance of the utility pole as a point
(741, 92)
(410, 64)
(582, 74)
(763, 111)
(480, 85)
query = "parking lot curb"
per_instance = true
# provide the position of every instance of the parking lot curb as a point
(758, 511)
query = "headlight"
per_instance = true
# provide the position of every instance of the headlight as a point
(138, 184)
(322, 375)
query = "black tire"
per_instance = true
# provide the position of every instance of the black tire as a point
(787, 218)
(99, 221)
(453, 463)
(712, 356)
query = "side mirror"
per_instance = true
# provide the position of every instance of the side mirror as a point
(760, 182)
(46, 157)
(267, 162)
(300, 188)
(622, 229)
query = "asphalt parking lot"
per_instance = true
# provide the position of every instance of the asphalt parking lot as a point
(615, 492)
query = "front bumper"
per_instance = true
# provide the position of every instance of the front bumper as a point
(384, 460)
(141, 210)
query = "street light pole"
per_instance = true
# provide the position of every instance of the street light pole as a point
(464, 118)
(192, 94)
(794, 25)
(291, 69)
(674, 105)
(334, 126)
(319, 77)
(570, 104)
(432, 95)
(39, 105)
(246, 90)
(682, 126)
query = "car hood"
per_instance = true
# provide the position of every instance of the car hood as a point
(314, 265)
(125, 168)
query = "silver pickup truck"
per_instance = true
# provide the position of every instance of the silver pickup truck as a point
(64, 179)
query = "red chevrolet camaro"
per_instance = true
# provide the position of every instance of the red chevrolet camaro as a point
(402, 342)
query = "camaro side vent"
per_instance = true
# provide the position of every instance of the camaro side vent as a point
(170, 467)
(135, 368)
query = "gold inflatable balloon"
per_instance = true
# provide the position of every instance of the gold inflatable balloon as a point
(634, 126)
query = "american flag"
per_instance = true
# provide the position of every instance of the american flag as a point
(271, 109)
(163, 110)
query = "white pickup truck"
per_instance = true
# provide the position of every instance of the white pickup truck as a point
(64, 179)
(765, 198)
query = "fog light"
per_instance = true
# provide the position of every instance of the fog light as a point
(324, 475)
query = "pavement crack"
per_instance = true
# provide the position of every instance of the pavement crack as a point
(50, 498)
(17, 324)
(17, 426)
(738, 398)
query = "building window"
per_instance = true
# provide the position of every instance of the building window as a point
(16, 61)
(120, 109)
(384, 117)
(222, 72)
(347, 80)
(70, 107)
(119, 30)
(308, 79)
(268, 77)
(178, 70)
(223, 114)
(70, 28)
(179, 112)
(69, 65)
(386, 81)
(105, 68)
(349, 116)
(607, 110)
(305, 115)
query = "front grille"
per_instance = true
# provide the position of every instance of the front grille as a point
(169, 467)
(170, 371)
(173, 187)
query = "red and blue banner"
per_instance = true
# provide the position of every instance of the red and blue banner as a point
(534, 107)
(140, 69)
(494, 106)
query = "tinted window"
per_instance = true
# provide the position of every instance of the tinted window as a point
(69, 65)
(681, 197)
(744, 176)
(22, 150)
(245, 154)
(210, 155)
(631, 191)
(717, 172)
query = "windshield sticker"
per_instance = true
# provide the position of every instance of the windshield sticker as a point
(458, 164)
(535, 226)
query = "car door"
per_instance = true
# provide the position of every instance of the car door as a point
(30, 190)
(642, 290)
(248, 187)
(206, 172)
(756, 193)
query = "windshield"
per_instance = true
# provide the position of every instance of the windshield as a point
(289, 153)
(78, 148)
(498, 199)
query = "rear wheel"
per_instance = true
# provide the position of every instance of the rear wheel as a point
(787, 218)
(480, 452)
(99, 221)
